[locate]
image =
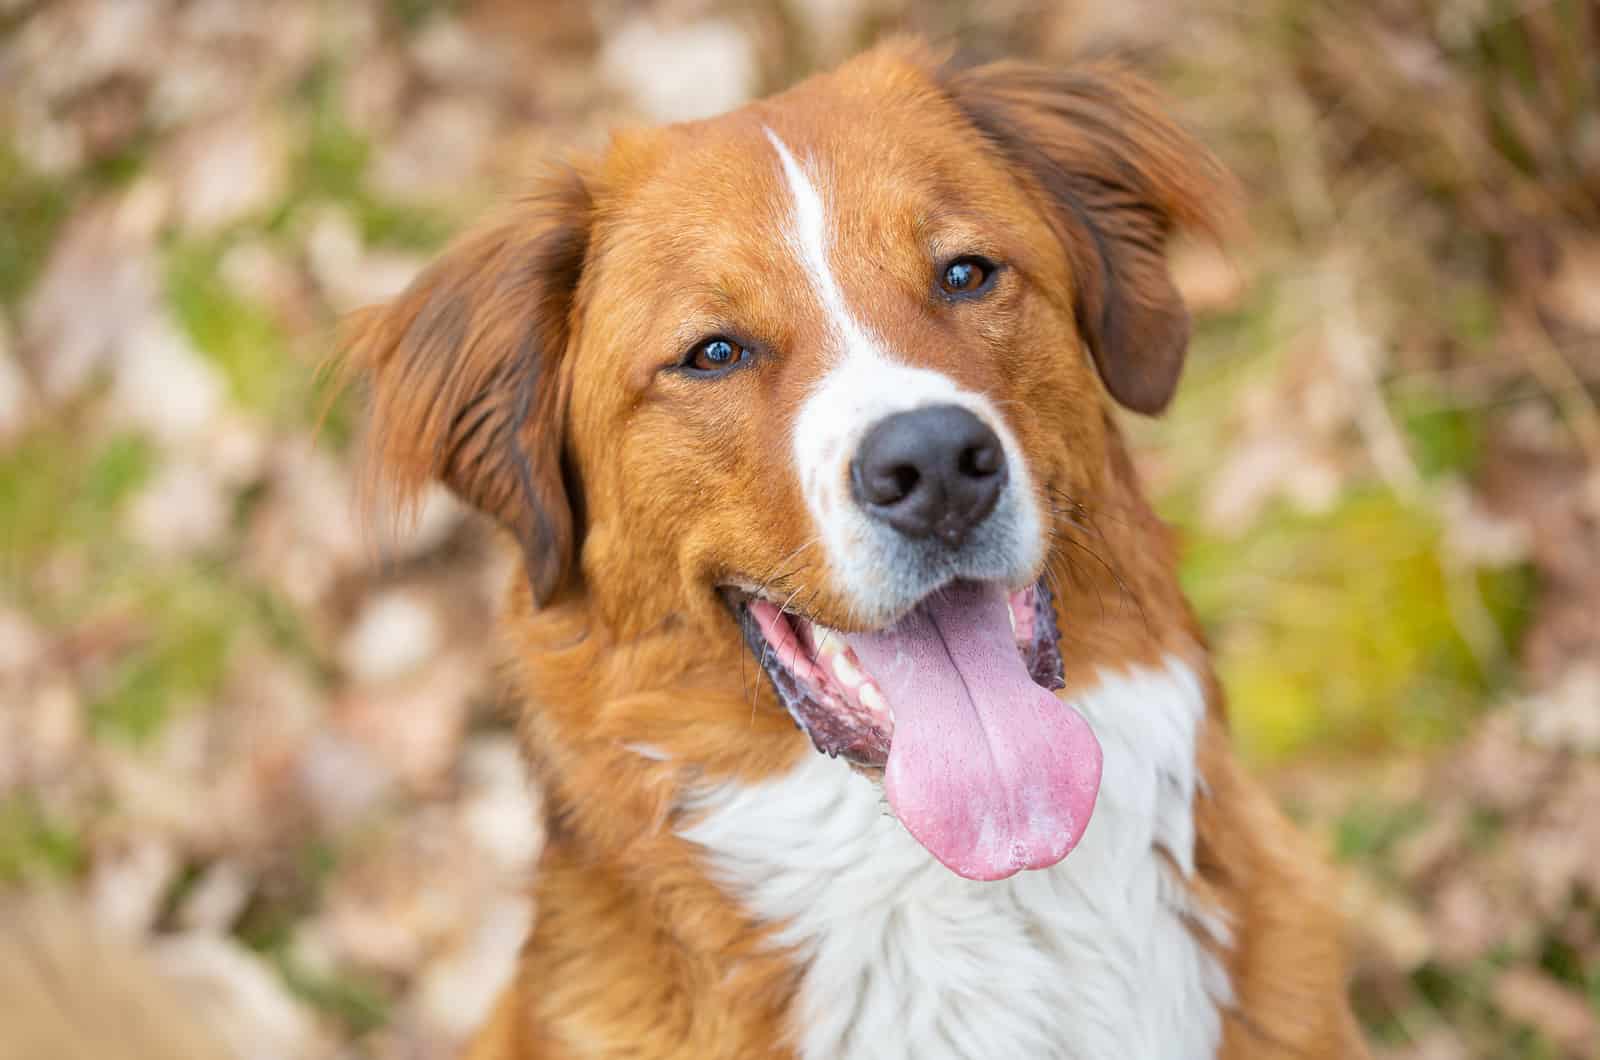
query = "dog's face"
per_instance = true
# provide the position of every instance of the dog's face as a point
(831, 364)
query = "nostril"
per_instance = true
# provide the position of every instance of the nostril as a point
(979, 461)
(885, 483)
(905, 478)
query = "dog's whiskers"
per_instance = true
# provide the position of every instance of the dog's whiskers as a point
(794, 656)
(773, 575)
(755, 687)
(1079, 517)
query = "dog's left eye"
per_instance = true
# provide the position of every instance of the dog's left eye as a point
(967, 275)
(713, 355)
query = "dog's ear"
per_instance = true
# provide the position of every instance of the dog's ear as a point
(1117, 178)
(463, 372)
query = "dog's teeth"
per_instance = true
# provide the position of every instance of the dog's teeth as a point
(828, 645)
(1011, 613)
(846, 671)
(872, 699)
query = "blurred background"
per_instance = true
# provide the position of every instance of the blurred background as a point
(267, 749)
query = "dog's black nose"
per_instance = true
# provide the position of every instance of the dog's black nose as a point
(933, 471)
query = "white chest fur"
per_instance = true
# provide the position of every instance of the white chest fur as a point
(1093, 959)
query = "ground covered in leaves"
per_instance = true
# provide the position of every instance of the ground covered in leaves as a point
(269, 747)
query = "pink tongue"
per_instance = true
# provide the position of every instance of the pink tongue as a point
(990, 772)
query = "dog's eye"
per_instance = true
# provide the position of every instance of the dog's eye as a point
(967, 276)
(713, 355)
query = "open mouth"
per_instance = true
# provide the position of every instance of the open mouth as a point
(982, 763)
(838, 703)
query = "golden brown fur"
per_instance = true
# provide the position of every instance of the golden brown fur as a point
(530, 370)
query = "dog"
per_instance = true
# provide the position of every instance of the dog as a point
(870, 717)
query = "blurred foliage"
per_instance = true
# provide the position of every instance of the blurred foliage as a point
(240, 337)
(358, 1002)
(333, 166)
(1368, 830)
(1320, 652)
(414, 13)
(1489, 108)
(56, 491)
(180, 661)
(31, 208)
(1446, 153)
(33, 845)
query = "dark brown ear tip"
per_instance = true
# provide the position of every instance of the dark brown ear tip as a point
(1145, 398)
(1141, 369)
(1144, 395)
(544, 577)
(547, 536)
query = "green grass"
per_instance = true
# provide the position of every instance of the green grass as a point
(34, 846)
(1444, 439)
(56, 490)
(119, 168)
(403, 226)
(32, 209)
(1368, 830)
(413, 14)
(239, 337)
(334, 162)
(183, 658)
(359, 1002)
(120, 468)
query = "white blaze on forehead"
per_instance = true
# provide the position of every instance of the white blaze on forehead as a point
(809, 237)
(862, 385)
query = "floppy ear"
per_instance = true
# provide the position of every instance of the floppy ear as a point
(463, 374)
(1117, 177)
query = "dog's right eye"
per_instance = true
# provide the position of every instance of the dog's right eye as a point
(714, 355)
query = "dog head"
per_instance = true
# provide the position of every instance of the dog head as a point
(831, 364)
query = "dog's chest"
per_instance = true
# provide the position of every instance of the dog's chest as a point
(1096, 958)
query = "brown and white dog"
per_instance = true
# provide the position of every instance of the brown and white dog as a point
(824, 388)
